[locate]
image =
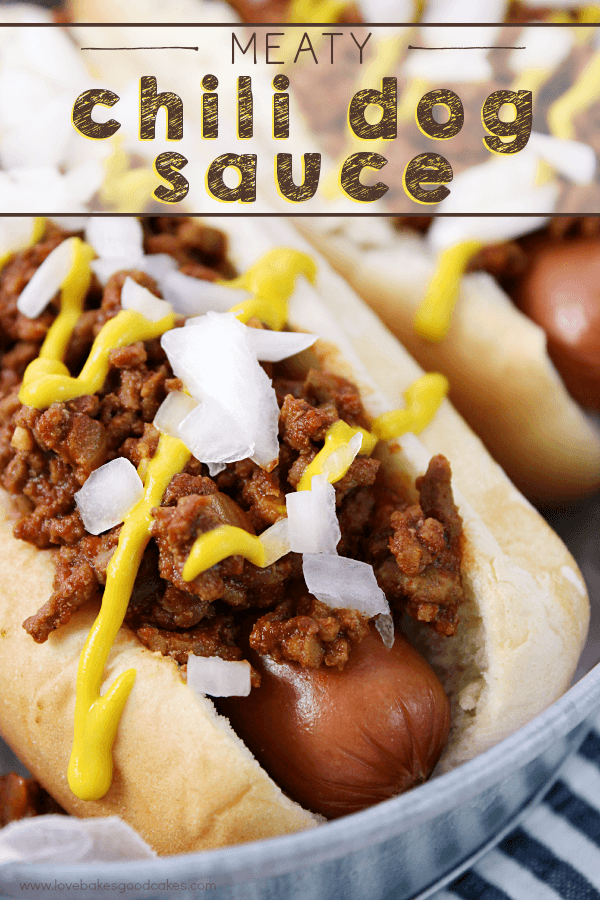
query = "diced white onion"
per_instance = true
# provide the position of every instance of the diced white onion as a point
(239, 414)
(218, 677)
(193, 297)
(115, 236)
(172, 411)
(464, 11)
(273, 346)
(499, 185)
(313, 523)
(571, 159)
(71, 223)
(15, 233)
(213, 435)
(387, 10)
(46, 280)
(134, 296)
(215, 468)
(541, 48)
(384, 624)
(447, 64)
(342, 458)
(158, 265)
(105, 267)
(341, 582)
(276, 541)
(108, 495)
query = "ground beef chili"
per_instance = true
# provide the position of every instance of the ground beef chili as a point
(22, 798)
(45, 457)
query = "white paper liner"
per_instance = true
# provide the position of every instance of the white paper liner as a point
(65, 839)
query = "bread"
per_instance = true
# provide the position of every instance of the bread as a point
(501, 377)
(182, 778)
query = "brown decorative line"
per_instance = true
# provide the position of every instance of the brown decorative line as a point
(138, 48)
(298, 24)
(495, 47)
(295, 215)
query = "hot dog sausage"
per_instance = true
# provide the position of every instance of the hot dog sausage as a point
(561, 292)
(339, 741)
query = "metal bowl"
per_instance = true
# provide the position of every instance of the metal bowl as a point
(398, 849)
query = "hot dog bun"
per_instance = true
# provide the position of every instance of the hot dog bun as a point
(510, 616)
(501, 377)
(182, 778)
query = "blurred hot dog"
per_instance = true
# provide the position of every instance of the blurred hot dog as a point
(560, 291)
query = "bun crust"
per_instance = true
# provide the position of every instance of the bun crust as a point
(501, 377)
(182, 777)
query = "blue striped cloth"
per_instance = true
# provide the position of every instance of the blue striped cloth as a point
(554, 853)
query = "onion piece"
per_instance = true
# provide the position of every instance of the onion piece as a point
(276, 540)
(193, 297)
(108, 495)
(115, 236)
(134, 296)
(46, 280)
(157, 265)
(213, 435)
(105, 267)
(214, 360)
(384, 624)
(15, 233)
(571, 159)
(215, 468)
(313, 522)
(218, 677)
(341, 582)
(273, 346)
(172, 411)
(70, 223)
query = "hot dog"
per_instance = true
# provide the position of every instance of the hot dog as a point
(524, 603)
(559, 289)
(557, 457)
(533, 360)
(338, 741)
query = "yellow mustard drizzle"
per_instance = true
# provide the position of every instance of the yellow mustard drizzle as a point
(423, 399)
(434, 315)
(213, 546)
(228, 540)
(125, 189)
(48, 380)
(97, 717)
(589, 14)
(530, 80)
(39, 224)
(271, 281)
(307, 11)
(73, 291)
(337, 435)
(543, 173)
(577, 99)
